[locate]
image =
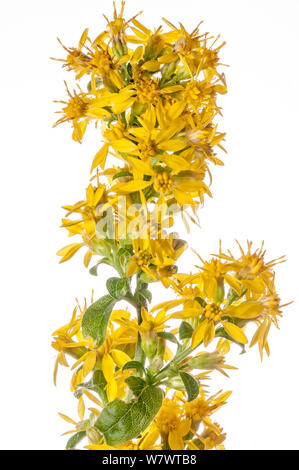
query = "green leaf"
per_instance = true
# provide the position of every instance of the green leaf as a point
(201, 301)
(191, 385)
(75, 439)
(146, 294)
(99, 378)
(232, 295)
(136, 365)
(136, 384)
(182, 351)
(117, 287)
(119, 421)
(94, 269)
(96, 317)
(169, 336)
(97, 384)
(146, 278)
(185, 330)
(125, 252)
(120, 174)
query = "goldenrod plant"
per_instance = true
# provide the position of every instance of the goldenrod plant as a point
(141, 368)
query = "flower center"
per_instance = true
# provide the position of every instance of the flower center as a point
(76, 108)
(197, 410)
(252, 265)
(102, 61)
(168, 418)
(147, 91)
(198, 94)
(213, 312)
(147, 149)
(163, 182)
(143, 258)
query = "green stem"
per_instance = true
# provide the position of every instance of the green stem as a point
(138, 303)
(139, 354)
(129, 297)
(165, 371)
(135, 301)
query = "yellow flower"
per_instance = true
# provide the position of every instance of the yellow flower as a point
(253, 271)
(103, 65)
(203, 135)
(141, 95)
(172, 424)
(162, 157)
(213, 314)
(192, 49)
(186, 294)
(212, 436)
(77, 60)
(205, 305)
(69, 340)
(111, 356)
(207, 315)
(110, 134)
(97, 58)
(148, 141)
(80, 108)
(153, 41)
(155, 257)
(149, 323)
(87, 209)
(182, 187)
(202, 407)
(213, 274)
(63, 337)
(270, 315)
(202, 94)
(75, 111)
(86, 225)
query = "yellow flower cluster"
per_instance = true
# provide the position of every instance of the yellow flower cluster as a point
(105, 364)
(155, 95)
(226, 295)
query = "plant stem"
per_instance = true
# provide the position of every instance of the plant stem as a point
(137, 303)
(139, 354)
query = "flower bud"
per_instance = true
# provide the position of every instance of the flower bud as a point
(156, 365)
(207, 361)
(149, 344)
(138, 108)
(182, 74)
(119, 48)
(220, 290)
(168, 70)
(109, 85)
(93, 435)
(100, 247)
(175, 382)
(153, 47)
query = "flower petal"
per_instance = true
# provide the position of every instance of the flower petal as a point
(235, 332)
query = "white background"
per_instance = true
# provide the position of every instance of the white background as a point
(255, 196)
